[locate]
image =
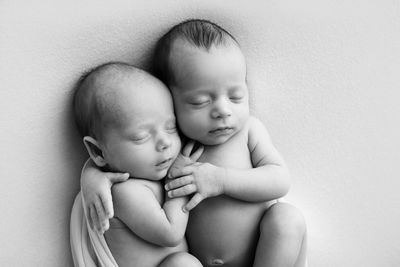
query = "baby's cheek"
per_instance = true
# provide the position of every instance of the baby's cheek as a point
(191, 129)
(185, 122)
(243, 114)
(177, 146)
(140, 168)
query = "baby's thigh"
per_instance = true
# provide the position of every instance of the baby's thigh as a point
(180, 259)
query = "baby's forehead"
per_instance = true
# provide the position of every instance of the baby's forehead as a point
(187, 59)
(110, 78)
(124, 82)
(130, 91)
(183, 51)
(134, 92)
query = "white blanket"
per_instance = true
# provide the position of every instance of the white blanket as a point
(89, 249)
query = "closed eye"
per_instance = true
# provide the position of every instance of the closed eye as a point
(237, 94)
(236, 99)
(140, 138)
(170, 126)
(199, 104)
(171, 129)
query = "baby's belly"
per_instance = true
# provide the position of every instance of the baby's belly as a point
(224, 232)
(130, 250)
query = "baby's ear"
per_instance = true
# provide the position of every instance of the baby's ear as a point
(94, 150)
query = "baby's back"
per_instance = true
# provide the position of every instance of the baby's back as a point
(223, 230)
(130, 250)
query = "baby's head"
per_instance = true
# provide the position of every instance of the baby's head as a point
(205, 70)
(126, 119)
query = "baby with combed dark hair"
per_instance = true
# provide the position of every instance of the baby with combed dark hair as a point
(236, 218)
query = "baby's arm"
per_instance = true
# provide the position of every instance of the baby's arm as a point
(136, 205)
(96, 192)
(268, 179)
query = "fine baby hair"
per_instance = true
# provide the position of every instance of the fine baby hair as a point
(198, 32)
(91, 110)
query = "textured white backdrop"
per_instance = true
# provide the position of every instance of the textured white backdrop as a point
(324, 78)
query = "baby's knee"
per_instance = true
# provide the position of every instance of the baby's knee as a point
(181, 259)
(283, 219)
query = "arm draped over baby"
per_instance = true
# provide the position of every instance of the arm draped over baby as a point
(268, 179)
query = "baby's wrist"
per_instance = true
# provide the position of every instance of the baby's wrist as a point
(222, 178)
(90, 170)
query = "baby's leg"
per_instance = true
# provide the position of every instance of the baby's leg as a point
(180, 259)
(282, 237)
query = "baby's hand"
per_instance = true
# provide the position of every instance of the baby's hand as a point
(185, 158)
(96, 192)
(203, 179)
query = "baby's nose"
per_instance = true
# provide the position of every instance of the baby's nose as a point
(221, 109)
(163, 142)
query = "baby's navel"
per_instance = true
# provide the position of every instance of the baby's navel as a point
(217, 262)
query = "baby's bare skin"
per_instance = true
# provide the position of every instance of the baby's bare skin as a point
(241, 173)
(222, 230)
(121, 239)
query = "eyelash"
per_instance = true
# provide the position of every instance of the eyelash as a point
(199, 104)
(140, 140)
(236, 98)
(172, 129)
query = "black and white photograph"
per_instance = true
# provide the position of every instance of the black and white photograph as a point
(149, 133)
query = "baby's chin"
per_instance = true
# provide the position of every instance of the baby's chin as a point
(154, 175)
(214, 140)
(160, 175)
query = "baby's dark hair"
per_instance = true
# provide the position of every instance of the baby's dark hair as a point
(197, 32)
(91, 110)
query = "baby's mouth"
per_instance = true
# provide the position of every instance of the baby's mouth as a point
(221, 131)
(164, 163)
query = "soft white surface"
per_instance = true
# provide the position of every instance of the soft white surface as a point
(325, 80)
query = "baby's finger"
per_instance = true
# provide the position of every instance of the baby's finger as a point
(196, 199)
(106, 200)
(196, 155)
(179, 182)
(86, 209)
(99, 208)
(99, 216)
(89, 217)
(188, 148)
(105, 225)
(175, 172)
(102, 217)
(182, 191)
(117, 177)
(94, 217)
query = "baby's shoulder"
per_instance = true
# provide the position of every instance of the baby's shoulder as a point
(254, 126)
(256, 130)
(250, 123)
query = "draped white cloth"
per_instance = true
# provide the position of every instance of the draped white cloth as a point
(89, 249)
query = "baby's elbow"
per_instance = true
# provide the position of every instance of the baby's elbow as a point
(172, 238)
(173, 242)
